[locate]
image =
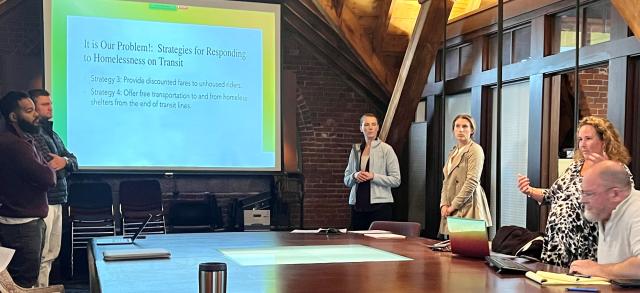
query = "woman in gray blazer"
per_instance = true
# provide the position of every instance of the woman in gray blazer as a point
(372, 171)
(462, 195)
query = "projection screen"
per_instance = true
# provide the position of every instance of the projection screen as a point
(164, 86)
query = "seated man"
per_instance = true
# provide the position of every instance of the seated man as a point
(609, 199)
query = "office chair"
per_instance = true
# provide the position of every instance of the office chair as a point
(409, 229)
(138, 199)
(90, 213)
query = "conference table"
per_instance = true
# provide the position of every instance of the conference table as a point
(402, 265)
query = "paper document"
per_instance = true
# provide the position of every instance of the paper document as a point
(6, 254)
(319, 231)
(300, 231)
(548, 278)
(370, 232)
(386, 236)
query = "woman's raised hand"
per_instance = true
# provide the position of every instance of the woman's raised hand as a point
(596, 158)
(524, 184)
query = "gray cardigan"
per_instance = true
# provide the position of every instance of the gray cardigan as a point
(383, 162)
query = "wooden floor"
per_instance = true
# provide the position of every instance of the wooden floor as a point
(428, 271)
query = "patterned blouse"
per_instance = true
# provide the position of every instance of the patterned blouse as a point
(569, 236)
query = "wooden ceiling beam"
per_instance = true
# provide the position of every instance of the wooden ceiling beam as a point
(396, 44)
(382, 25)
(346, 21)
(311, 28)
(628, 9)
(419, 57)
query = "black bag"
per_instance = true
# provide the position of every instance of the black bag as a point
(514, 240)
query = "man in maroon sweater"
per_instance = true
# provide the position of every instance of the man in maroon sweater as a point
(25, 178)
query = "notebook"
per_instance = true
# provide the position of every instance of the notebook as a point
(468, 237)
(140, 253)
(124, 241)
(549, 278)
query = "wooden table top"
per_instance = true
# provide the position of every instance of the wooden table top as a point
(428, 271)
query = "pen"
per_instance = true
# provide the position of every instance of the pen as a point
(579, 275)
(583, 289)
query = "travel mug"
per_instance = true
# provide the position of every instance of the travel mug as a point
(212, 277)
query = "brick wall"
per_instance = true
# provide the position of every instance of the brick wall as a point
(594, 83)
(328, 113)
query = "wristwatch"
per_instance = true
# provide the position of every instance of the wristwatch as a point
(66, 160)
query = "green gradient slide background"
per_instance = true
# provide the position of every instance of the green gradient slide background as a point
(265, 21)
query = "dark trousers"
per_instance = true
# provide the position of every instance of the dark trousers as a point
(361, 220)
(27, 240)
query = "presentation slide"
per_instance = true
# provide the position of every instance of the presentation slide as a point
(190, 86)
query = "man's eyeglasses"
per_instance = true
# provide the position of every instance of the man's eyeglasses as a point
(592, 193)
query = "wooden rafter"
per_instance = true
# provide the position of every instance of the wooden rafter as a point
(380, 30)
(346, 23)
(461, 7)
(628, 9)
(420, 56)
(302, 17)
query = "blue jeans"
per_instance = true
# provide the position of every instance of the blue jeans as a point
(27, 239)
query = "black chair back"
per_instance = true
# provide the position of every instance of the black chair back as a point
(138, 199)
(90, 200)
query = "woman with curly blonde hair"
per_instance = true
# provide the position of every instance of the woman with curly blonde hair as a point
(614, 149)
(569, 236)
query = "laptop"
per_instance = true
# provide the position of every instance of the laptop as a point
(124, 241)
(468, 237)
(133, 254)
(505, 265)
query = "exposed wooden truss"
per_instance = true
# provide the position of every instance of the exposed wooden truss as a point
(360, 22)
(380, 33)
(421, 54)
(629, 10)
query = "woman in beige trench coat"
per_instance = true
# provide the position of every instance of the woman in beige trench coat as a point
(462, 195)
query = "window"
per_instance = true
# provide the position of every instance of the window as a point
(593, 101)
(466, 60)
(452, 59)
(459, 62)
(595, 27)
(516, 47)
(521, 44)
(514, 148)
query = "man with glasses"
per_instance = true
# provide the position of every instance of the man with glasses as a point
(610, 199)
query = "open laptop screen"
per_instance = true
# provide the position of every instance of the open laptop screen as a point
(468, 237)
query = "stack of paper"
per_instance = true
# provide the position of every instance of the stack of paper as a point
(319, 231)
(385, 236)
(548, 278)
(370, 232)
